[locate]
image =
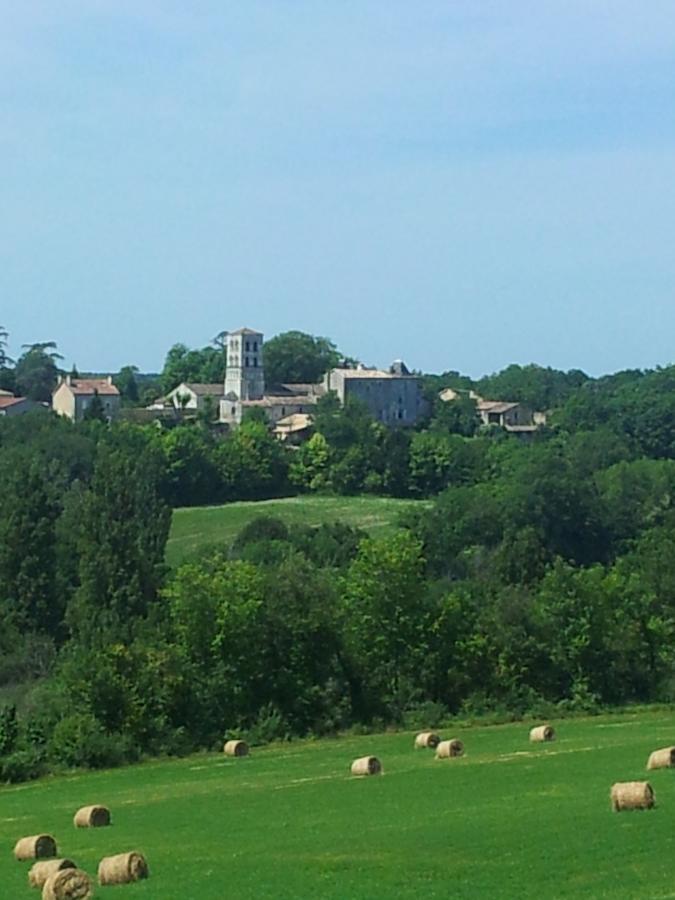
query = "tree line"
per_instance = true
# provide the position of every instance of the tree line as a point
(538, 578)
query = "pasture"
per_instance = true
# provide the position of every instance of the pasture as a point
(195, 530)
(509, 819)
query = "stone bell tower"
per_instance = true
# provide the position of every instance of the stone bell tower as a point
(245, 377)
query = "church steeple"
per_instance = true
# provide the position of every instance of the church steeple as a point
(245, 377)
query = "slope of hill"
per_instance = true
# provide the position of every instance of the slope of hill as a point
(197, 529)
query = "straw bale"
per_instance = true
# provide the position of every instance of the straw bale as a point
(92, 817)
(41, 871)
(122, 868)
(367, 765)
(427, 739)
(449, 749)
(542, 733)
(632, 795)
(662, 759)
(235, 748)
(37, 846)
(68, 884)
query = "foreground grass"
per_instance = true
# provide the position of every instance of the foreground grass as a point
(196, 529)
(507, 820)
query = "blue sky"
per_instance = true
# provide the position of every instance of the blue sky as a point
(460, 183)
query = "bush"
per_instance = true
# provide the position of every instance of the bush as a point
(9, 729)
(80, 741)
(23, 765)
(270, 725)
(428, 714)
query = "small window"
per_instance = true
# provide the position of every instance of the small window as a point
(283, 410)
(255, 361)
(247, 362)
(248, 346)
(234, 410)
(255, 346)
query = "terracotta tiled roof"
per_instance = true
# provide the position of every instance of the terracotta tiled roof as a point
(10, 401)
(93, 385)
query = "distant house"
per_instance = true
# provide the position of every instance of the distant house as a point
(17, 406)
(294, 429)
(193, 395)
(503, 413)
(73, 396)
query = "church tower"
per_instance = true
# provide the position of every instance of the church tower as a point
(245, 376)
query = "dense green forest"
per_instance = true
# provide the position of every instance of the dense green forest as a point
(541, 579)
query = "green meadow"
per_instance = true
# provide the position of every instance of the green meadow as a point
(195, 530)
(509, 819)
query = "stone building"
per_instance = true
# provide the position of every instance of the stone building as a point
(245, 384)
(193, 395)
(393, 398)
(73, 396)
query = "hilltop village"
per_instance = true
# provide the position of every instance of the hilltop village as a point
(393, 397)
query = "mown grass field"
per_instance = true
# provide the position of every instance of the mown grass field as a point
(509, 819)
(196, 529)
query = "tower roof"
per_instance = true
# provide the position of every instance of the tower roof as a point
(246, 331)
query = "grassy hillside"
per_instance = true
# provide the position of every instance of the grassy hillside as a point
(509, 819)
(196, 528)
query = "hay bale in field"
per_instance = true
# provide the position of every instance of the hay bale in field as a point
(92, 817)
(235, 748)
(41, 871)
(427, 739)
(367, 765)
(632, 795)
(542, 733)
(662, 759)
(449, 749)
(68, 884)
(122, 868)
(37, 846)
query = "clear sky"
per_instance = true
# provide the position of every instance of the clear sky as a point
(460, 183)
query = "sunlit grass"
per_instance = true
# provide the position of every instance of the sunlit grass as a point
(509, 819)
(198, 528)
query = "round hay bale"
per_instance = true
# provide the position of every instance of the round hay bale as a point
(450, 749)
(542, 733)
(92, 817)
(41, 871)
(122, 868)
(367, 765)
(427, 739)
(68, 884)
(37, 846)
(662, 759)
(235, 748)
(632, 795)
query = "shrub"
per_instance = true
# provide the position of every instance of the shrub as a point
(23, 765)
(79, 740)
